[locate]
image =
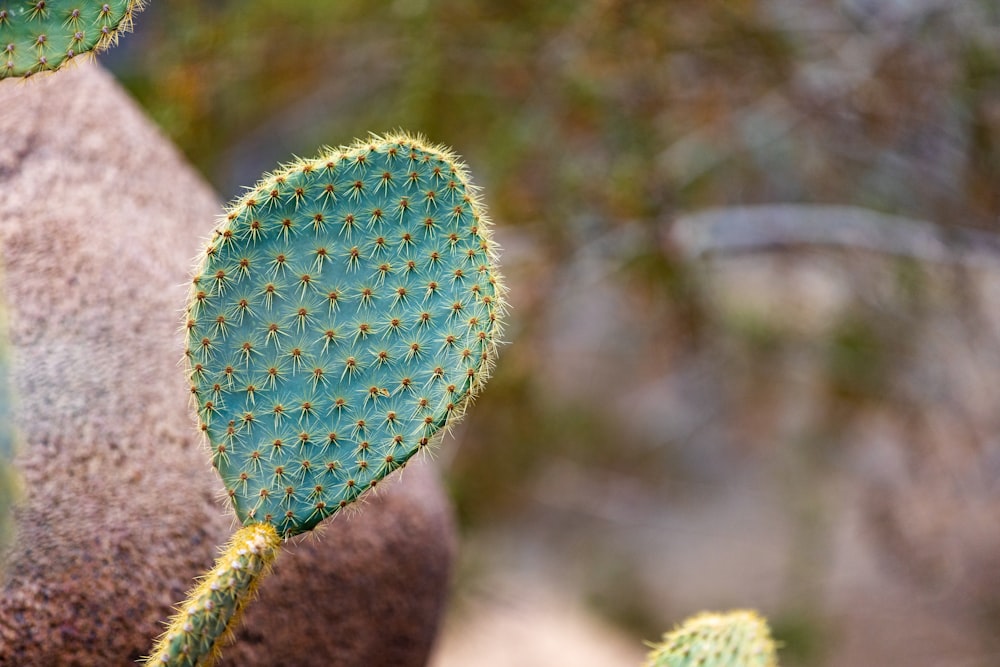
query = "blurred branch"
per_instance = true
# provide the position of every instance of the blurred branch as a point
(750, 229)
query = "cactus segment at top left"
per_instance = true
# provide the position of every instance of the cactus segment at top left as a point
(43, 35)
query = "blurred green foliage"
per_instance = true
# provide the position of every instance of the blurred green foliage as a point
(606, 110)
(801, 638)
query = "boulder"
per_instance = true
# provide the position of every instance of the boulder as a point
(99, 219)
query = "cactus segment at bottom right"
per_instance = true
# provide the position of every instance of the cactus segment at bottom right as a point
(735, 639)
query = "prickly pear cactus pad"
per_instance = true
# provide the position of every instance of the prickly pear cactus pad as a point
(735, 639)
(41, 35)
(345, 312)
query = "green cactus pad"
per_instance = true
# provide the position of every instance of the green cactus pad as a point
(345, 312)
(734, 639)
(43, 35)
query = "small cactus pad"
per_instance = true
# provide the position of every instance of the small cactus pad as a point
(734, 639)
(42, 35)
(345, 312)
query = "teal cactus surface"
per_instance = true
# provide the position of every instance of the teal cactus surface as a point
(43, 35)
(345, 311)
(735, 639)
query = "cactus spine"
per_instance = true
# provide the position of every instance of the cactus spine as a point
(735, 639)
(43, 35)
(345, 312)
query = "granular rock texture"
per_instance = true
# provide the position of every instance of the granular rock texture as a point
(99, 218)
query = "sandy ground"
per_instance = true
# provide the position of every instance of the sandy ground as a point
(516, 623)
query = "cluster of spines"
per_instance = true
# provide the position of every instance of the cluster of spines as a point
(214, 608)
(344, 313)
(735, 639)
(43, 35)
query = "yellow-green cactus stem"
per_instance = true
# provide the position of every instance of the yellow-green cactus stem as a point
(213, 609)
(43, 35)
(9, 484)
(735, 639)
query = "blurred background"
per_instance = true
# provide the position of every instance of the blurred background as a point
(752, 248)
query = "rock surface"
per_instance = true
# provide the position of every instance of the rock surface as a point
(99, 219)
